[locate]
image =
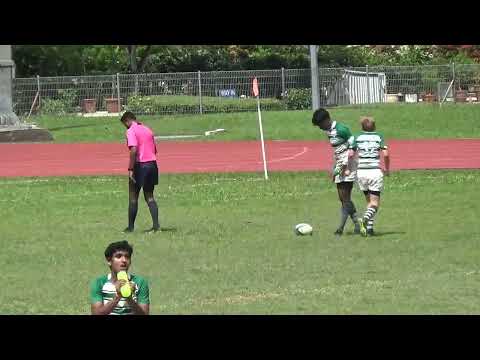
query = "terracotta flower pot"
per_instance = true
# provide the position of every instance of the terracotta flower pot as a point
(89, 105)
(461, 96)
(112, 105)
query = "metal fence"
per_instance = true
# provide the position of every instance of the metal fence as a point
(226, 91)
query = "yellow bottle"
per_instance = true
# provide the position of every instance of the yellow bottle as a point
(125, 290)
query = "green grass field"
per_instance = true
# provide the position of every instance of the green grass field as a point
(402, 121)
(229, 247)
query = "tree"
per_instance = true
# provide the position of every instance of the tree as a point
(60, 60)
(135, 51)
(51, 60)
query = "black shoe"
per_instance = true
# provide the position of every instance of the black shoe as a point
(370, 232)
(338, 232)
(127, 230)
(153, 230)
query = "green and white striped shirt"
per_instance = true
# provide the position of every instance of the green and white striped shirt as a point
(103, 290)
(341, 139)
(368, 146)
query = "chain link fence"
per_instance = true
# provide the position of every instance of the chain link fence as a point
(230, 91)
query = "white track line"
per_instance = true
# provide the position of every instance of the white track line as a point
(305, 150)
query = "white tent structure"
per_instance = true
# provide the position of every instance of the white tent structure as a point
(358, 87)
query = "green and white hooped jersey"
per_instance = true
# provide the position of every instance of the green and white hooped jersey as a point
(341, 140)
(368, 146)
(103, 290)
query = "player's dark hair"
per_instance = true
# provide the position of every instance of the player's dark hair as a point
(128, 115)
(320, 116)
(118, 246)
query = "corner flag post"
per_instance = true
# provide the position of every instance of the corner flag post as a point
(257, 94)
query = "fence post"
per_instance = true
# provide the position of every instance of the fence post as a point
(368, 85)
(118, 94)
(453, 79)
(200, 91)
(38, 89)
(136, 84)
(283, 82)
(315, 79)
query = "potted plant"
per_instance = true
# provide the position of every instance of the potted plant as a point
(112, 105)
(430, 97)
(461, 95)
(89, 105)
(477, 91)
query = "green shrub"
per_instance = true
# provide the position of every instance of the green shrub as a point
(67, 102)
(150, 105)
(53, 106)
(299, 99)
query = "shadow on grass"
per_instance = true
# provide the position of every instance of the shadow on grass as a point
(168, 229)
(389, 233)
(71, 127)
(165, 229)
(380, 233)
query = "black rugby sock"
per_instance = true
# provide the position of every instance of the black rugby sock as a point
(343, 217)
(132, 214)
(152, 206)
(352, 211)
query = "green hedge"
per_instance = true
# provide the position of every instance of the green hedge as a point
(65, 103)
(299, 99)
(149, 105)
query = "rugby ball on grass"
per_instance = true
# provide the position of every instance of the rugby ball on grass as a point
(303, 229)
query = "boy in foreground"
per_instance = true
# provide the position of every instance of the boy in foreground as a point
(105, 293)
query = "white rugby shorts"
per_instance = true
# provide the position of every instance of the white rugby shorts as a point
(370, 179)
(349, 178)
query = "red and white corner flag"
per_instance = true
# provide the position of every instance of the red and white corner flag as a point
(256, 92)
(255, 87)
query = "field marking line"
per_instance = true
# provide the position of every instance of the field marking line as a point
(304, 151)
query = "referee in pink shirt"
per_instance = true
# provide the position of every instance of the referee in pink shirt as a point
(142, 169)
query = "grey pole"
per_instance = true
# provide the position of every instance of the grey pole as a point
(200, 91)
(283, 82)
(136, 84)
(315, 82)
(368, 85)
(38, 89)
(453, 79)
(118, 94)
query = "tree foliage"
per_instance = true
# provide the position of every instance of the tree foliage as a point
(56, 60)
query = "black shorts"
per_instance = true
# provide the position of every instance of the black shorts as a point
(376, 193)
(146, 175)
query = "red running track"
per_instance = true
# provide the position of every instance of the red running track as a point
(242, 156)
